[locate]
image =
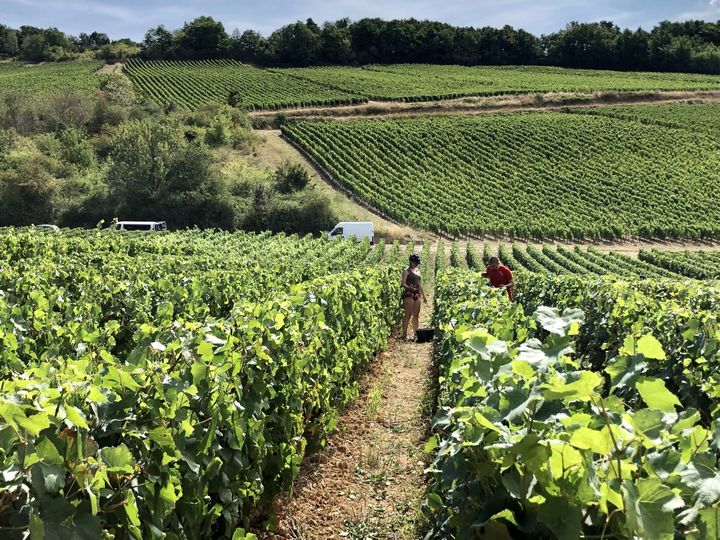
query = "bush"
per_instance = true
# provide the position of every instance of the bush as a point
(306, 213)
(28, 192)
(83, 200)
(76, 148)
(118, 89)
(219, 132)
(291, 177)
(67, 110)
(117, 52)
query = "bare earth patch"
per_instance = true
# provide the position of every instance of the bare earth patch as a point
(111, 69)
(368, 483)
(507, 103)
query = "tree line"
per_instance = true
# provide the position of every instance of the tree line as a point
(692, 46)
(670, 46)
(34, 44)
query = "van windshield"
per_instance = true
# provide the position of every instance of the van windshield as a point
(337, 231)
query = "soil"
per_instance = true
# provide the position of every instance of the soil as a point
(111, 69)
(368, 483)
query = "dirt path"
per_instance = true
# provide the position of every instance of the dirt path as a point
(112, 69)
(507, 103)
(368, 483)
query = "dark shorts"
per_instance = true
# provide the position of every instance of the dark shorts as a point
(409, 294)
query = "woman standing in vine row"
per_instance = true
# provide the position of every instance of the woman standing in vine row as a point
(412, 293)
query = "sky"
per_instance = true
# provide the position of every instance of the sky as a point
(132, 18)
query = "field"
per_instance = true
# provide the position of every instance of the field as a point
(703, 117)
(47, 79)
(536, 175)
(173, 383)
(698, 264)
(563, 260)
(530, 439)
(410, 82)
(210, 384)
(190, 84)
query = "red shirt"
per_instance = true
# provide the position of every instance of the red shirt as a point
(500, 276)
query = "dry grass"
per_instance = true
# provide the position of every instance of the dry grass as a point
(489, 104)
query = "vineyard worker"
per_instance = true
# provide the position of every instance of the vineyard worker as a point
(499, 275)
(412, 292)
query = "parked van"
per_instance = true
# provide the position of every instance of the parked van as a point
(142, 226)
(353, 229)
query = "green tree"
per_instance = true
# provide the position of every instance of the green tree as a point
(249, 47)
(295, 45)
(33, 48)
(28, 191)
(155, 174)
(291, 177)
(77, 149)
(219, 132)
(336, 43)
(158, 43)
(203, 38)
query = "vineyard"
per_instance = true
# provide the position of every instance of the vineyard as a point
(591, 418)
(568, 260)
(535, 175)
(47, 79)
(172, 384)
(187, 385)
(696, 264)
(189, 84)
(410, 82)
(704, 117)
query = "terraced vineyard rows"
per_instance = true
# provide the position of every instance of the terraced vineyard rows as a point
(189, 84)
(415, 82)
(562, 260)
(694, 117)
(170, 384)
(537, 175)
(47, 79)
(696, 264)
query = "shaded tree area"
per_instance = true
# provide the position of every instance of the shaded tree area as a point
(692, 46)
(683, 46)
(34, 44)
(75, 160)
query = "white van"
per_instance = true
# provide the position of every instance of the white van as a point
(353, 229)
(142, 226)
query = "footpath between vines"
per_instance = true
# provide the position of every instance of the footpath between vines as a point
(368, 483)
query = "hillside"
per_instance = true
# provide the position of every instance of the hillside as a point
(536, 175)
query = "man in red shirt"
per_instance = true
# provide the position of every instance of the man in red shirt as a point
(499, 275)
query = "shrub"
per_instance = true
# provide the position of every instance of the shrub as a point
(291, 177)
